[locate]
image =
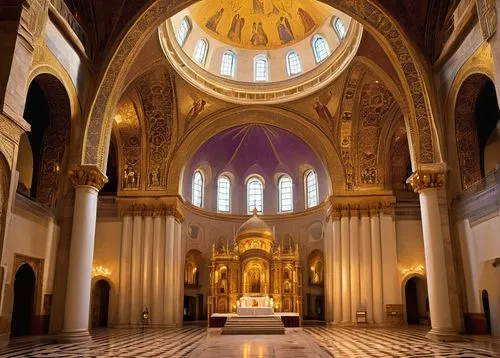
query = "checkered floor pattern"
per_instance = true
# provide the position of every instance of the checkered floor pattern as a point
(114, 343)
(407, 342)
(195, 341)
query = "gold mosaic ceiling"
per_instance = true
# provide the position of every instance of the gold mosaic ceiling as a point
(259, 24)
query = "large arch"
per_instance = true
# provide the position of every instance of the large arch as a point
(220, 121)
(480, 67)
(423, 136)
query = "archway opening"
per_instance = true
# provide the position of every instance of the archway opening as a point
(23, 312)
(315, 294)
(43, 151)
(194, 294)
(100, 307)
(486, 309)
(417, 301)
(476, 120)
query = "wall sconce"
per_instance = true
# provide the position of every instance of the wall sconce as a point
(101, 271)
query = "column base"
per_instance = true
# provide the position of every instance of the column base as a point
(73, 336)
(443, 335)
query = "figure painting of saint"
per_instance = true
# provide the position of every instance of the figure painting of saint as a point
(237, 24)
(307, 20)
(284, 30)
(258, 6)
(259, 37)
(213, 21)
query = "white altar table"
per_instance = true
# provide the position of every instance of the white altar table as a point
(255, 311)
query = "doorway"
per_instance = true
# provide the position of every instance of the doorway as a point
(189, 308)
(23, 311)
(486, 308)
(100, 306)
(417, 311)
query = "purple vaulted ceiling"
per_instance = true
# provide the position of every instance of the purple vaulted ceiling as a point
(256, 149)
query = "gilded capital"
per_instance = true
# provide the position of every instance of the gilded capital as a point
(88, 175)
(421, 180)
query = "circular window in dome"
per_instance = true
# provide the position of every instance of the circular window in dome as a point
(260, 50)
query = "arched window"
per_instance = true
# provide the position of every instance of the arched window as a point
(183, 31)
(228, 63)
(293, 65)
(339, 27)
(255, 195)
(197, 196)
(200, 51)
(285, 194)
(311, 184)
(320, 48)
(224, 194)
(261, 70)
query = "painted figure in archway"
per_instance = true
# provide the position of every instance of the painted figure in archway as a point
(234, 33)
(284, 30)
(306, 19)
(259, 37)
(214, 20)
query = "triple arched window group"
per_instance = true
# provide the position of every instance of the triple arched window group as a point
(319, 45)
(255, 192)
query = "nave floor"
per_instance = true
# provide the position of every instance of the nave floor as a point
(297, 342)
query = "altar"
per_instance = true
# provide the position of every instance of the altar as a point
(255, 306)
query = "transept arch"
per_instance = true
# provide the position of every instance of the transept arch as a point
(423, 134)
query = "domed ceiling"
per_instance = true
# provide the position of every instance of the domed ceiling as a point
(262, 34)
(255, 24)
(256, 149)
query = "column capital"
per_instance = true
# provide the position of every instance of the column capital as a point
(421, 180)
(87, 175)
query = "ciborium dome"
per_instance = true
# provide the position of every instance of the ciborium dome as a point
(254, 227)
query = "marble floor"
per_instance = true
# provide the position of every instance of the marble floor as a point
(297, 342)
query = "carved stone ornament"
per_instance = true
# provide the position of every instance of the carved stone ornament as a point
(421, 180)
(88, 175)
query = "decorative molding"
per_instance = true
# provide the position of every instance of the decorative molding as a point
(421, 180)
(355, 206)
(87, 175)
(487, 13)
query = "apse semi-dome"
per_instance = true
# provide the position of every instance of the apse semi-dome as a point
(288, 173)
(260, 50)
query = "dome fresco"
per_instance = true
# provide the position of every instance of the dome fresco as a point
(259, 24)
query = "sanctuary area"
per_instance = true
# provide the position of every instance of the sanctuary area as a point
(249, 177)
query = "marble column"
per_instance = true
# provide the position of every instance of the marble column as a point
(378, 297)
(136, 268)
(328, 276)
(354, 237)
(147, 260)
(392, 294)
(125, 270)
(87, 180)
(179, 275)
(426, 183)
(168, 297)
(337, 268)
(366, 285)
(346, 269)
(158, 270)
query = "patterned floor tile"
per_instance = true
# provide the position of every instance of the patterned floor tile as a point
(309, 342)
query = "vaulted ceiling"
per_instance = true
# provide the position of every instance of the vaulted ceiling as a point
(104, 21)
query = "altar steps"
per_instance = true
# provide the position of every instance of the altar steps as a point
(254, 325)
